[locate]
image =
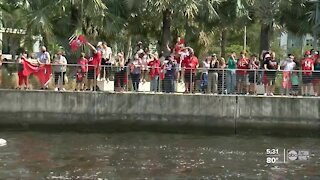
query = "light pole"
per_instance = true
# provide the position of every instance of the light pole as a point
(315, 29)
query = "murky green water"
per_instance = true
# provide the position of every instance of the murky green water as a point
(34, 155)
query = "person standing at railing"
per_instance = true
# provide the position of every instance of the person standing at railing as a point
(222, 76)
(231, 73)
(106, 62)
(60, 69)
(82, 71)
(44, 59)
(307, 66)
(213, 74)
(94, 66)
(22, 79)
(204, 75)
(242, 74)
(145, 57)
(120, 74)
(170, 73)
(135, 72)
(270, 66)
(254, 66)
(316, 77)
(154, 66)
(190, 66)
(287, 66)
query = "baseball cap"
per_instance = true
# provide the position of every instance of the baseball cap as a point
(99, 44)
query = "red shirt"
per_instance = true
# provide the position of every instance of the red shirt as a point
(307, 65)
(190, 63)
(154, 68)
(242, 64)
(83, 62)
(96, 61)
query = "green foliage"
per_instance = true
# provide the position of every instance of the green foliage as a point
(121, 22)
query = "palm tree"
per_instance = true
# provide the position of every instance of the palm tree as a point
(180, 12)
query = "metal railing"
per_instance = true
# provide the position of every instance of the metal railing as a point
(170, 80)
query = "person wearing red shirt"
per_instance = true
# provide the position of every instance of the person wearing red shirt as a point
(307, 66)
(242, 76)
(190, 65)
(94, 66)
(154, 66)
(23, 80)
(82, 71)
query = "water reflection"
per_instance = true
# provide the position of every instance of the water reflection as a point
(31, 155)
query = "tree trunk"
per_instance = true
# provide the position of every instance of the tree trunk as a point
(223, 44)
(129, 48)
(166, 28)
(264, 37)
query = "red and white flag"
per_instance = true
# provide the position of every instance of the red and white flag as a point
(77, 42)
(43, 73)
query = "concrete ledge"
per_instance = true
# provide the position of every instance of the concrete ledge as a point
(170, 112)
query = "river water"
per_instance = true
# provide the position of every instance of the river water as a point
(38, 155)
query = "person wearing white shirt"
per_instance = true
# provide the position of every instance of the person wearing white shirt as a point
(60, 69)
(106, 61)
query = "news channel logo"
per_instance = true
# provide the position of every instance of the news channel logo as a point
(298, 155)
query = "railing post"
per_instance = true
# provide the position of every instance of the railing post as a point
(223, 91)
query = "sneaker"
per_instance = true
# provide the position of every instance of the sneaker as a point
(265, 94)
(271, 94)
(56, 89)
(63, 89)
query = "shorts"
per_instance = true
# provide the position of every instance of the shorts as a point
(316, 77)
(253, 77)
(91, 74)
(295, 88)
(269, 78)
(242, 78)
(306, 79)
(187, 77)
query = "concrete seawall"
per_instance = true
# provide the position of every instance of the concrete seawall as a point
(220, 114)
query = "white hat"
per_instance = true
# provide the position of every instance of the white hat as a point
(140, 51)
(267, 56)
(99, 44)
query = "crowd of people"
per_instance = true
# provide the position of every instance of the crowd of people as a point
(239, 74)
